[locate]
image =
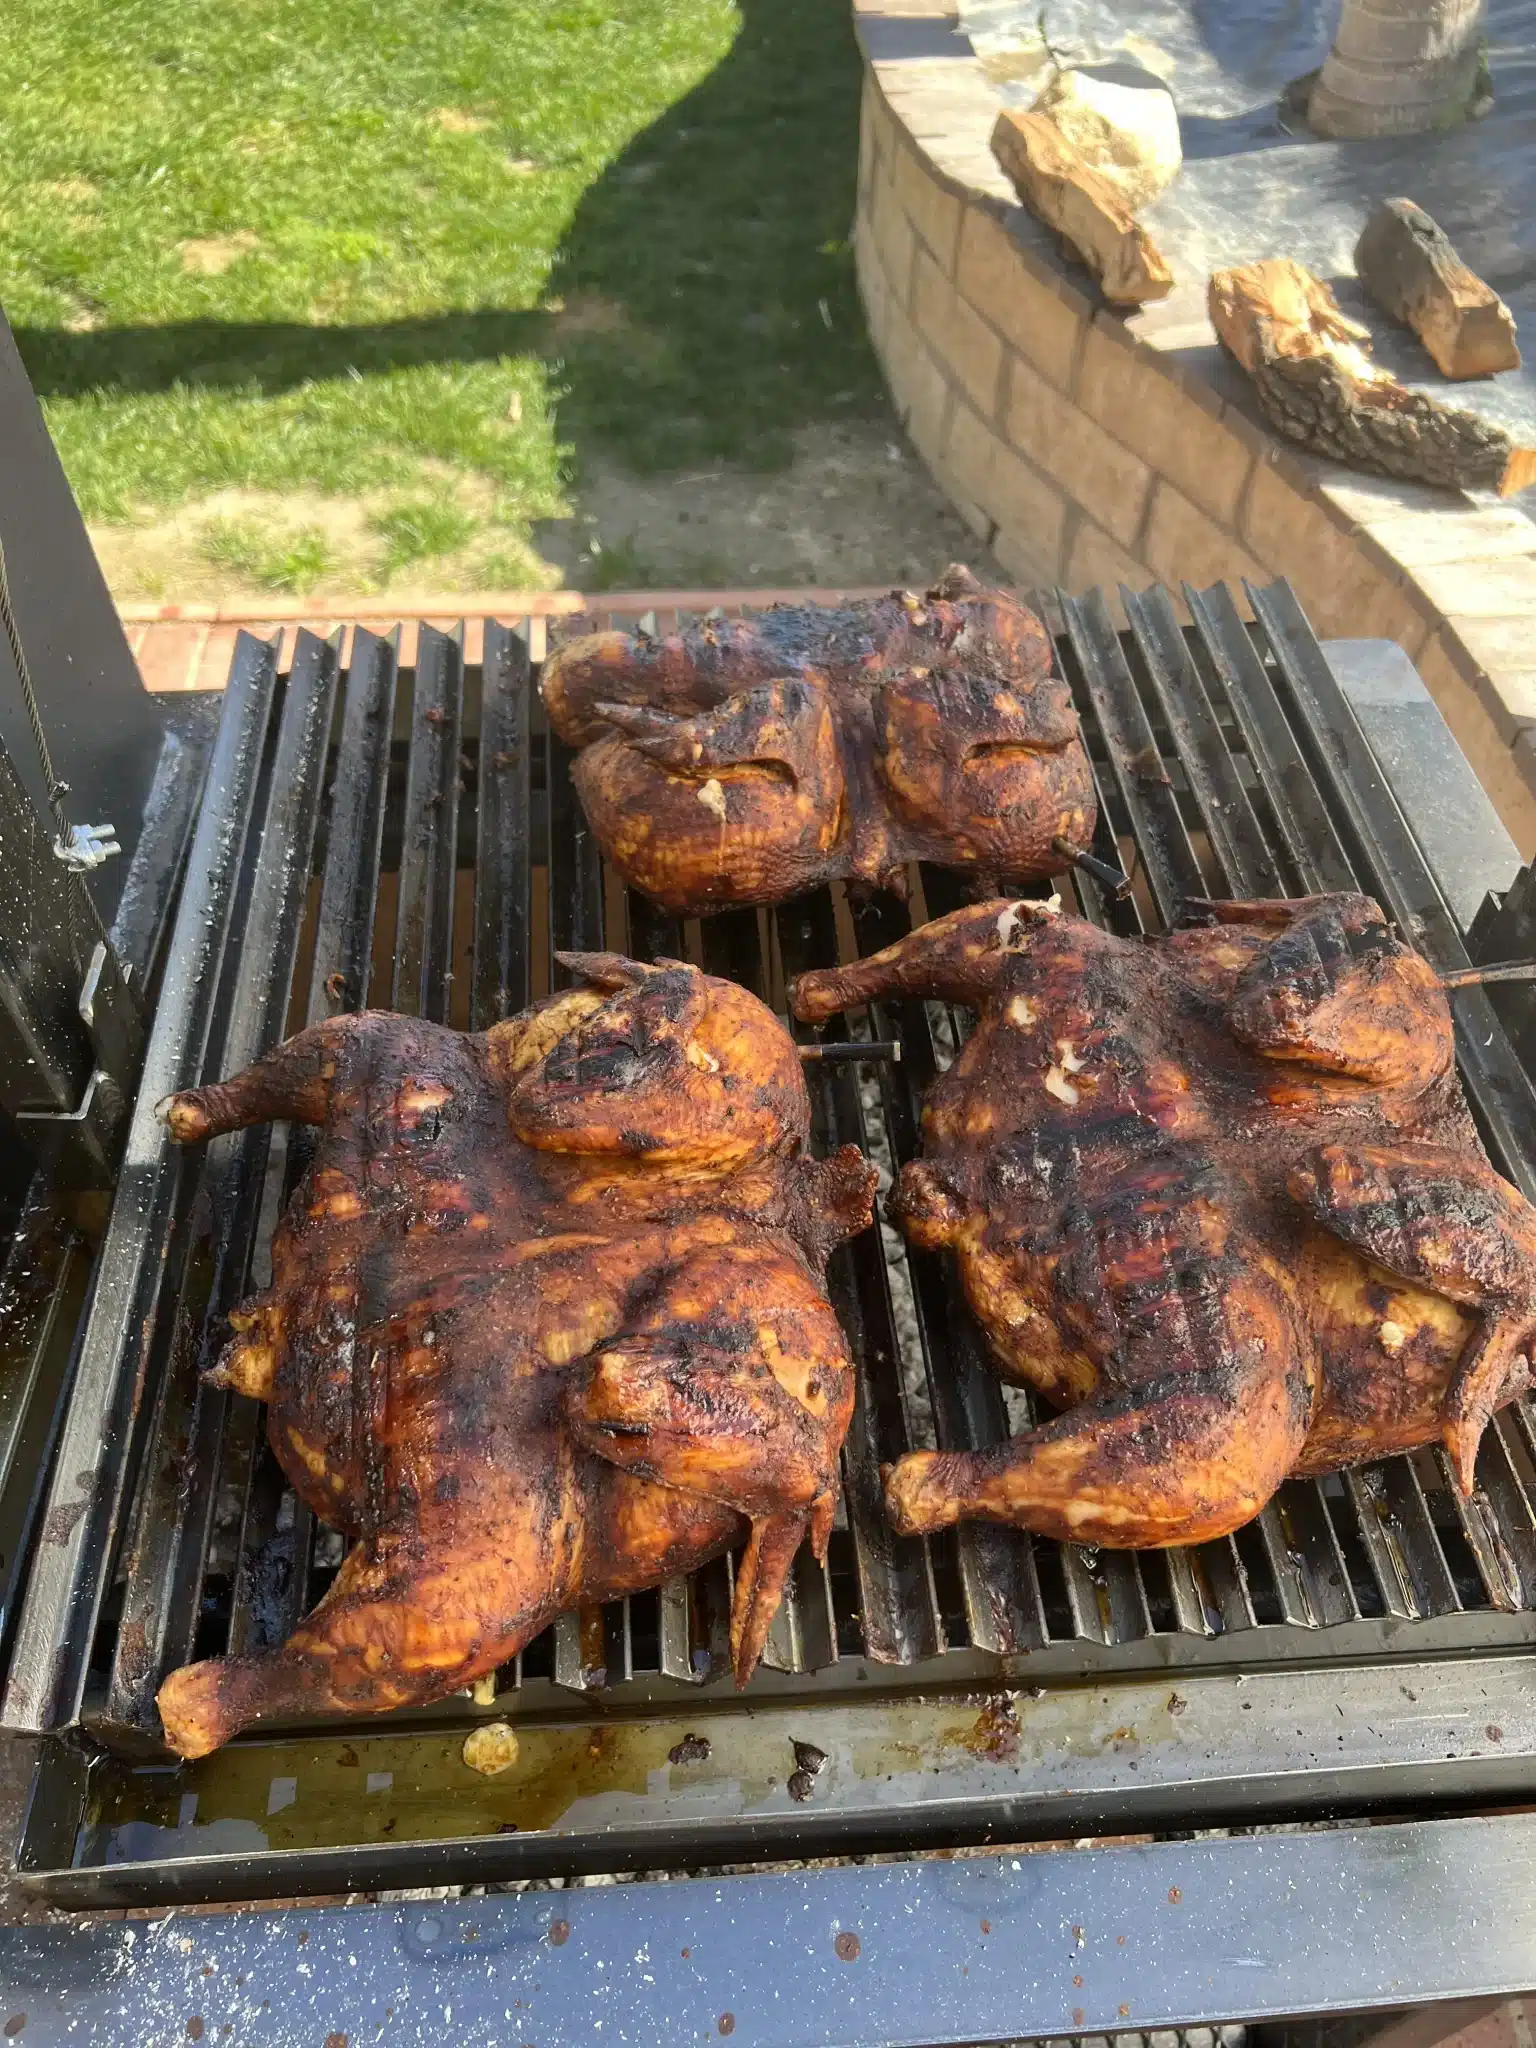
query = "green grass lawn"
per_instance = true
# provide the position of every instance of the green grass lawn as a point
(349, 291)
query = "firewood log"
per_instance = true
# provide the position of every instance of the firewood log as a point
(1316, 383)
(1407, 264)
(1061, 188)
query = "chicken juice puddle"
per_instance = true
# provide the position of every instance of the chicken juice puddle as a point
(1014, 1756)
(569, 1777)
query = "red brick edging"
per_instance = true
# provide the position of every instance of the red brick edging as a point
(189, 646)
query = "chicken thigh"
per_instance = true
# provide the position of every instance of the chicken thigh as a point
(547, 1326)
(1215, 1195)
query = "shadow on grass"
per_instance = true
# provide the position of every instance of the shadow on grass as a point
(707, 278)
(265, 356)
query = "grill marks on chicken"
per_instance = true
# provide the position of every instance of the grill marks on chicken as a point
(743, 761)
(547, 1326)
(1217, 1196)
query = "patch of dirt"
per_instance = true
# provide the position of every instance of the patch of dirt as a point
(855, 507)
(86, 312)
(459, 121)
(78, 197)
(164, 556)
(586, 313)
(212, 256)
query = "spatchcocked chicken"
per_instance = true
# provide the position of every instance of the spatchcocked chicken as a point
(744, 761)
(547, 1326)
(1217, 1196)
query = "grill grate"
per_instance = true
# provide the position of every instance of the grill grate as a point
(414, 839)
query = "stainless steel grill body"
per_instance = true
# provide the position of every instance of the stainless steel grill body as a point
(410, 837)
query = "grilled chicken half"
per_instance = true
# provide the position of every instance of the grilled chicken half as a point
(1217, 1196)
(743, 761)
(547, 1326)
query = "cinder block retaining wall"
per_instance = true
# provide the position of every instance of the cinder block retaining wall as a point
(1084, 447)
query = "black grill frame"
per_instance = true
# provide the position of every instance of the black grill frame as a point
(1228, 762)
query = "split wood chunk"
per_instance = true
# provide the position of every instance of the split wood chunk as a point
(1128, 133)
(1315, 382)
(1061, 188)
(1407, 263)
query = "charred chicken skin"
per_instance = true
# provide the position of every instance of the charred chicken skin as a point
(1217, 1197)
(547, 1326)
(743, 761)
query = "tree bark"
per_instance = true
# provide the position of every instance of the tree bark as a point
(1408, 265)
(1399, 67)
(1061, 188)
(1316, 384)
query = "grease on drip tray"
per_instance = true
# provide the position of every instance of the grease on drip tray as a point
(996, 1733)
(809, 1764)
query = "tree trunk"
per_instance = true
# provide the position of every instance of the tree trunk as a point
(1398, 67)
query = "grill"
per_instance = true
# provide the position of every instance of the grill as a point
(407, 835)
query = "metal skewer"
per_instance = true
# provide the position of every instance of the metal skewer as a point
(1118, 885)
(840, 1049)
(1504, 970)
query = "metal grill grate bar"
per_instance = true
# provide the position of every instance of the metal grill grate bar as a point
(503, 867)
(1238, 850)
(1504, 1517)
(1307, 1554)
(1173, 874)
(1136, 763)
(1299, 817)
(1003, 1602)
(173, 1523)
(423, 958)
(501, 958)
(681, 1653)
(803, 1636)
(1246, 868)
(898, 1599)
(104, 1425)
(272, 1575)
(349, 883)
(584, 1642)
